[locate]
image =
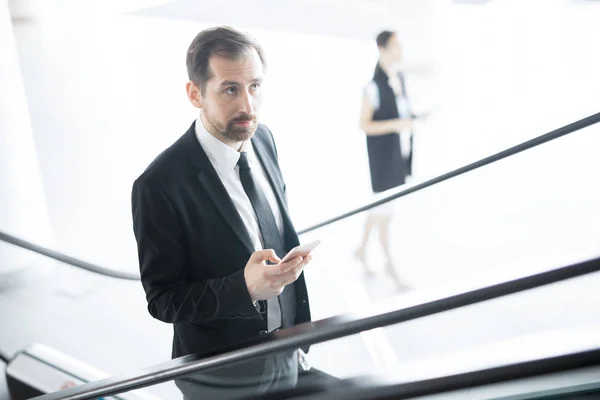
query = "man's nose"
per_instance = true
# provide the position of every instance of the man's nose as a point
(246, 103)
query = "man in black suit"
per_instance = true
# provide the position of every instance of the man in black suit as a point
(211, 221)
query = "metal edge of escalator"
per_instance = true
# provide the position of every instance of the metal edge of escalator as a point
(39, 369)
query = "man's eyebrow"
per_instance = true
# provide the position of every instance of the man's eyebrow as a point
(234, 83)
(229, 83)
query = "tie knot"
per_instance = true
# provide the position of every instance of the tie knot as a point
(243, 161)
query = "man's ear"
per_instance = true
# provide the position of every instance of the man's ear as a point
(194, 94)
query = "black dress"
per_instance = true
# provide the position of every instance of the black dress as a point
(388, 167)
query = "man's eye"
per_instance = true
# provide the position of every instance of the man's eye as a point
(231, 90)
(255, 86)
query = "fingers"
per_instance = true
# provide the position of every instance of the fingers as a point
(277, 277)
(265, 255)
(285, 278)
(279, 282)
(292, 276)
(285, 267)
(290, 280)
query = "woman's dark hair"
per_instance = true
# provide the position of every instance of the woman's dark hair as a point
(383, 38)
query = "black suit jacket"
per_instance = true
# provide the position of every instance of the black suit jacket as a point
(193, 247)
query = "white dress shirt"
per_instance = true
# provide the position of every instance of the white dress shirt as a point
(224, 160)
(372, 91)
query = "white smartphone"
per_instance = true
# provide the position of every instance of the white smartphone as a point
(302, 250)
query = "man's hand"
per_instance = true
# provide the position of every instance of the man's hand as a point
(267, 281)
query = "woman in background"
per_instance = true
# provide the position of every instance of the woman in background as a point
(387, 119)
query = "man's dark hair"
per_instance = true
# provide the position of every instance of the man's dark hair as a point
(383, 38)
(221, 41)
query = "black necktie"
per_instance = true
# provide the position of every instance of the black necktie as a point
(268, 230)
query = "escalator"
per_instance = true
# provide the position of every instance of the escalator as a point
(561, 363)
(490, 378)
(39, 369)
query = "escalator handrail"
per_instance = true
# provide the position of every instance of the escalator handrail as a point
(4, 358)
(404, 190)
(468, 380)
(395, 194)
(5, 237)
(315, 332)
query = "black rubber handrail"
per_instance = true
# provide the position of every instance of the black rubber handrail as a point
(402, 191)
(396, 193)
(468, 380)
(314, 332)
(5, 237)
(4, 357)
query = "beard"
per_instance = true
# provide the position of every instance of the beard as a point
(230, 130)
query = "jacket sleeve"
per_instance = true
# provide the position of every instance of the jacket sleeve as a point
(164, 267)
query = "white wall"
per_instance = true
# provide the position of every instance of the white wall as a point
(511, 70)
(499, 73)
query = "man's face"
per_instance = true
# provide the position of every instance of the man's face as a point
(232, 96)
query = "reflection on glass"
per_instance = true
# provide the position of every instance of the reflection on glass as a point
(530, 212)
(255, 377)
(522, 215)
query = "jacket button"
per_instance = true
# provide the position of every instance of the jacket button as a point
(262, 333)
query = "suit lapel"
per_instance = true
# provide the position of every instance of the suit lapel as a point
(269, 167)
(220, 198)
(212, 185)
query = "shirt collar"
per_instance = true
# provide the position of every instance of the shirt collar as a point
(223, 158)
